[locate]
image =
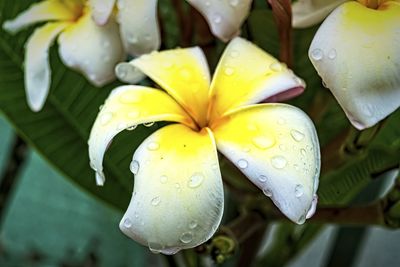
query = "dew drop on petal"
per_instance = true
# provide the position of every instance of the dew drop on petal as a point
(234, 3)
(127, 223)
(153, 146)
(134, 166)
(276, 66)
(332, 54)
(133, 114)
(186, 237)
(121, 126)
(217, 18)
(281, 121)
(131, 128)
(229, 71)
(148, 124)
(279, 162)
(163, 179)
(267, 192)
(297, 135)
(192, 224)
(263, 142)
(129, 98)
(195, 180)
(298, 190)
(234, 54)
(262, 178)
(155, 247)
(155, 201)
(303, 152)
(242, 163)
(317, 54)
(106, 118)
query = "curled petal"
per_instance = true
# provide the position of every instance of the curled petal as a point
(139, 26)
(247, 75)
(42, 11)
(225, 17)
(276, 147)
(37, 67)
(178, 195)
(101, 10)
(126, 107)
(91, 49)
(307, 13)
(184, 74)
(356, 52)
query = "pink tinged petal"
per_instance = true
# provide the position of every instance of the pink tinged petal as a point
(178, 199)
(356, 53)
(101, 10)
(39, 12)
(91, 49)
(307, 13)
(139, 26)
(276, 147)
(37, 67)
(285, 95)
(125, 108)
(225, 17)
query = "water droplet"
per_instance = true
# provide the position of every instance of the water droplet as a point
(134, 167)
(317, 54)
(147, 37)
(369, 110)
(313, 207)
(127, 223)
(246, 149)
(129, 98)
(303, 152)
(192, 224)
(133, 114)
(242, 163)
(101, 107)
(178, 186)
(282, 147)
(217, 18)
(133, 39)
(148, 124)
(279, 162)
(121, 126)
(196, 180)
(167, 64)
(153, 146)
(131, 128)
(276, 66)
(263, 142)
(332, 54)
(155, 201)
(267, 192)
(281, 121)
(155, 247)
(106, 118)
(298, 190)
(234, 3)
(263, 178)
(186, 237)
(163, 179)
(185, 74)
(297, 135)
(234, 54)
(229, 71)
(208, 3)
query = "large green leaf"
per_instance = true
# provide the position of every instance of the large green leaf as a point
(60, 131)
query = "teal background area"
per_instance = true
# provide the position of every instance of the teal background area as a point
(51, 222)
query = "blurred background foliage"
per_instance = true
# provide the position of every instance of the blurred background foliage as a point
(47, 220)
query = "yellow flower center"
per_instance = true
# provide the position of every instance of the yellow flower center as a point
(374, 4)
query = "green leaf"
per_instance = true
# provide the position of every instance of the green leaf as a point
(60, 131)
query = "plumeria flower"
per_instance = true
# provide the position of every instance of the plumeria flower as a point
(178, 199)
(356, 52)
(93, 49)
(225, 17)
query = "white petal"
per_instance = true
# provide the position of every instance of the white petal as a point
(128, 106)
(101, 10)
(356, 52)
(225, 17)
(42, 11)
(307, 13)
(178, 194)
(37, 68)
(139, 26)
(91, 49)
(276, 147)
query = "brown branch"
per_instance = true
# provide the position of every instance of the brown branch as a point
(282, 11)
(185, 22)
